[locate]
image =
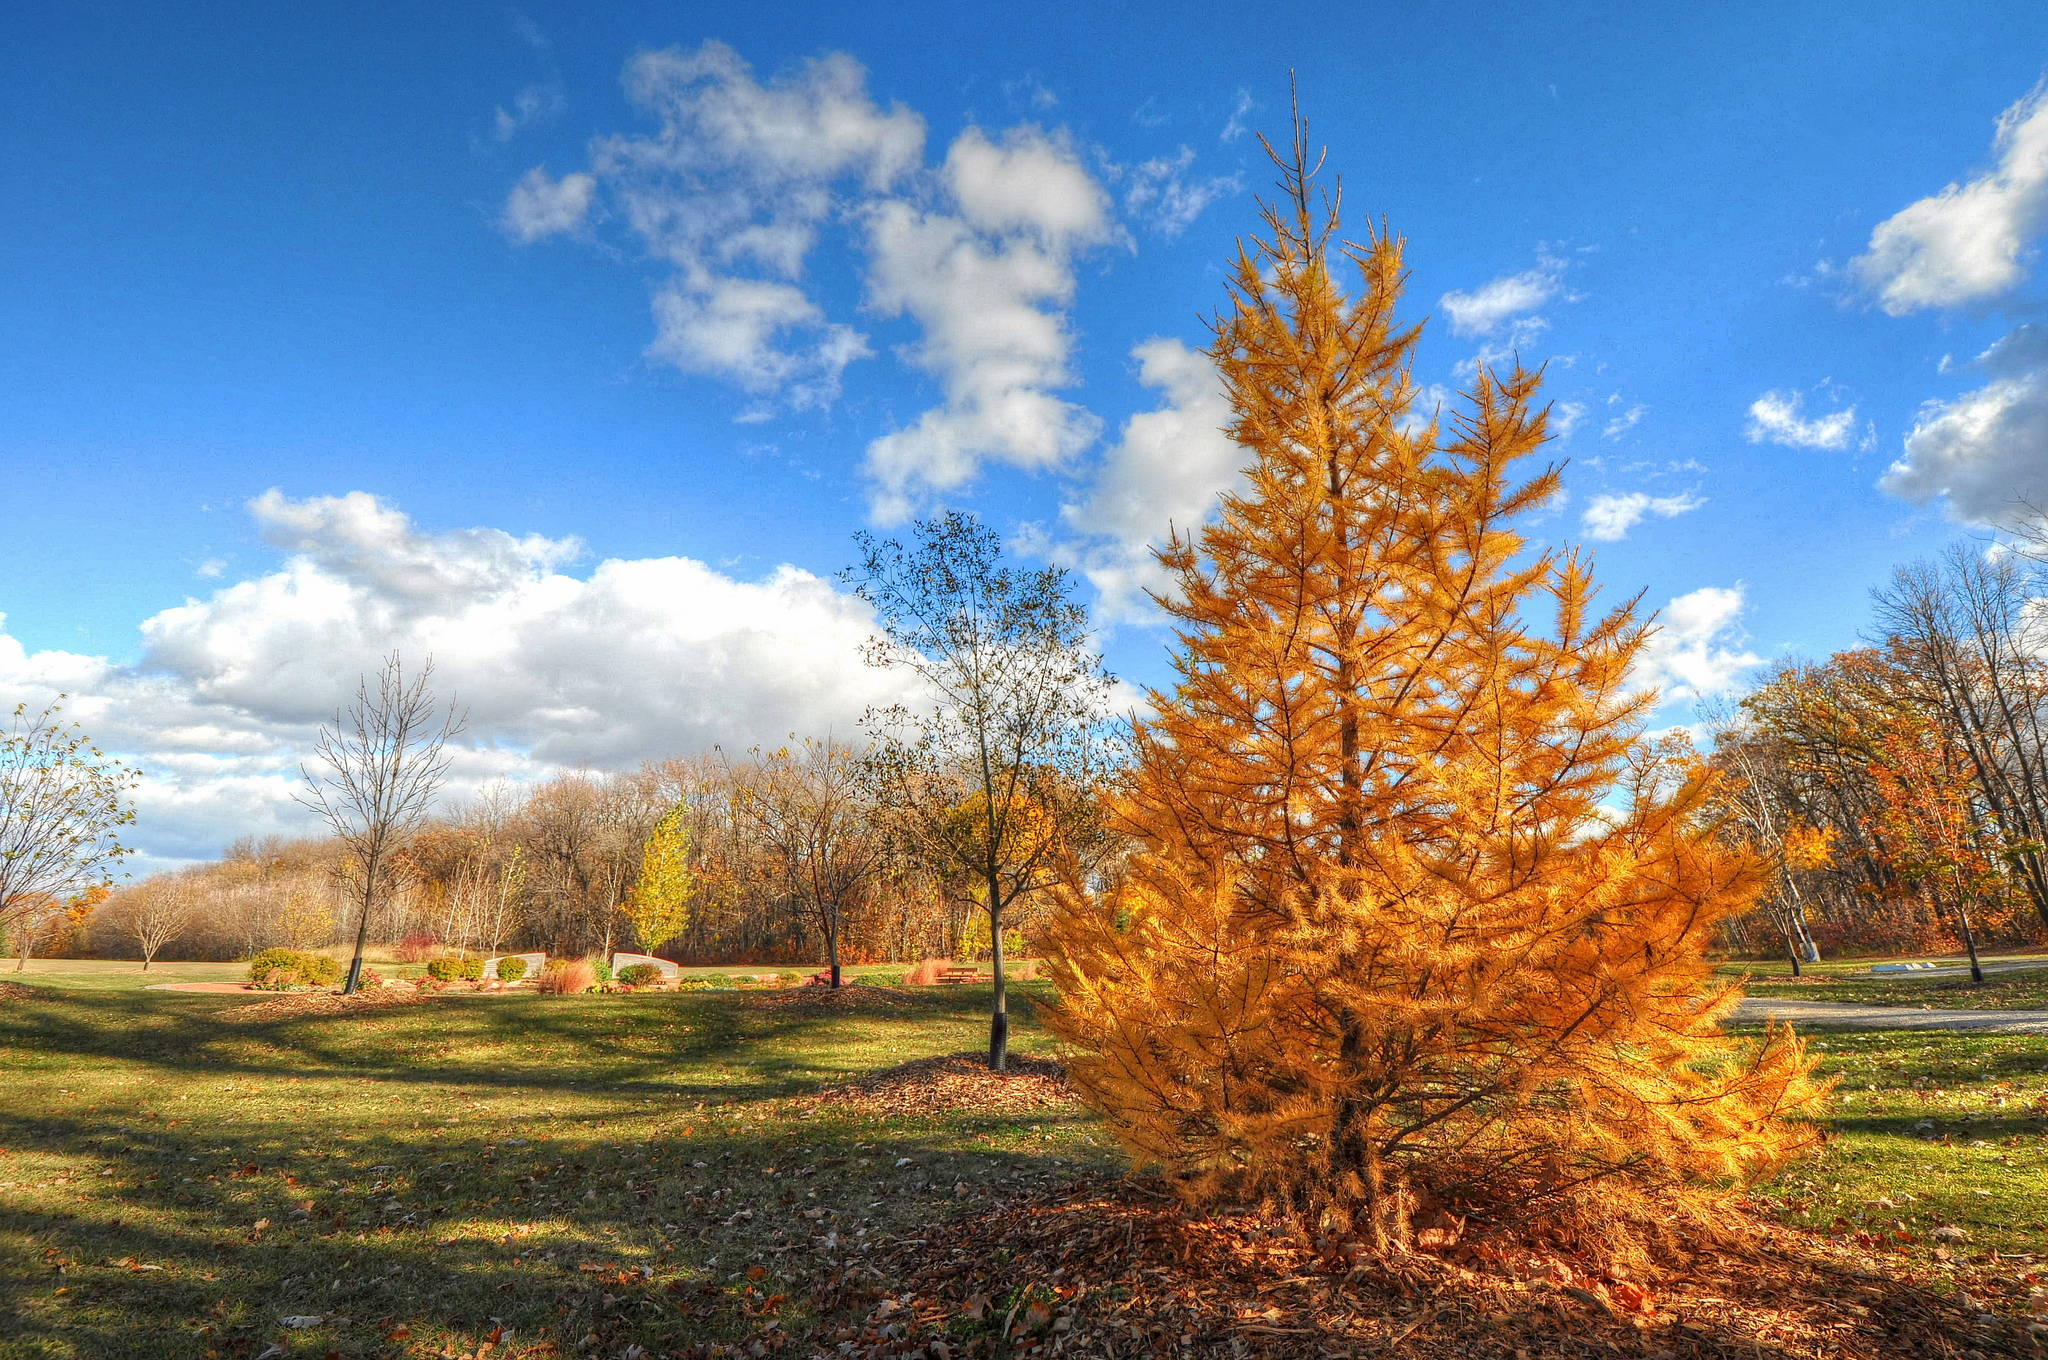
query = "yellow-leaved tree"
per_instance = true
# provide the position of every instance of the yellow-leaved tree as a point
(659, 903)
(1413, 937)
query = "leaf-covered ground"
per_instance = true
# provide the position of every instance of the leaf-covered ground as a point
(716, 1173)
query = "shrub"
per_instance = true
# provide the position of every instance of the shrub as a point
(447, 968)
(286, 967)
(789, 979)
(600, 969)
(417, 946)
(511, 968)
(640, 975)
(471, 970)
(567, 979)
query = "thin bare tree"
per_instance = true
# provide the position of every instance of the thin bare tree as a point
(384, 758)
(808, 804)
(158, 913)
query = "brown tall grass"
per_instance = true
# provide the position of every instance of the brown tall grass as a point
(568, 978)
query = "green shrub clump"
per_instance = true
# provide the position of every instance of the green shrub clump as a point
(602, 969)
(511, 968)
(448, 969)
(640, 975)
(293, 967)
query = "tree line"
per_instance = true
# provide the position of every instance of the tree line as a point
(1899, 789)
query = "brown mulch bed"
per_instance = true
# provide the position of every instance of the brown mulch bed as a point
(1120, 1269)
(298, 1005)
(954, 1083)
(15, 991)
(852, 997)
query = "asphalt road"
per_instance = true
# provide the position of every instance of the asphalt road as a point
(1852, 1015)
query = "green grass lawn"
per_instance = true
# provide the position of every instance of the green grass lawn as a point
(631, 1167)
(1853, 981)
(118, 974)
(1929, 1130)
(644, 1169)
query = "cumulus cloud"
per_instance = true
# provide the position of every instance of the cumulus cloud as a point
(988, 283)
(1608, 517)
(539, 207)
(638, 658)
(731, 190)
(1987, 451)
(1697, 649)
(1968, 243)
(1236, 127)
(1778, 418)
(1166, 471)
(1164, 196)
(1496, 306)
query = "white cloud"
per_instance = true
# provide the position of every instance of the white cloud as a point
(1493, 306)
(1236, 127)
(1166, 471)
(731, 190)
(638, 658)
(1777, 417)
(538, 206)
(1969, 242)
(1162, 195)
(989, 285)
(532, 106)
(1608, 517)
(210, 568)
(1987, 450)
(1696, 651)
(1623, 423)
(1565, 417)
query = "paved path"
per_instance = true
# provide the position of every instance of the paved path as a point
(1851, 1015)
(199, 987)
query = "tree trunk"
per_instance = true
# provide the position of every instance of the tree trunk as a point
(832, 946)
(355, 963)
(999, 1017)
(1970, 943)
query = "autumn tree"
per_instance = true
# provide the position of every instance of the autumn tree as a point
(1414, 934)
(809, 806)
(63, 803)
(659, 903)
(1006, 735)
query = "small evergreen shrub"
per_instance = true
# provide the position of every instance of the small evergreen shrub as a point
(601, 970)
(289, 967)
(511, 968)
(448, 968)
(640, 975)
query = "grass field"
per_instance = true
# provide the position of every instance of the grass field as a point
(647, 1169)
(2024, 989)
(171, 1185)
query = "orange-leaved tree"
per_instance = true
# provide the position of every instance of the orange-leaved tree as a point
(1413, 936)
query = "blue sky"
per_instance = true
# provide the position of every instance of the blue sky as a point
(573, 347)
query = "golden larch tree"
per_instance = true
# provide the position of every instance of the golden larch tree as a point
(1414, 933)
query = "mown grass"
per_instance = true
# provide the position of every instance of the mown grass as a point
(644, 1169)
(1928, 1130)
(172, 1185)
(2021, 987)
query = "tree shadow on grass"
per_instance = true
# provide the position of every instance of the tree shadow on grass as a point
(333, 1213)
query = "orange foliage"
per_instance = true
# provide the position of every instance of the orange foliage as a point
(1415, 930)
